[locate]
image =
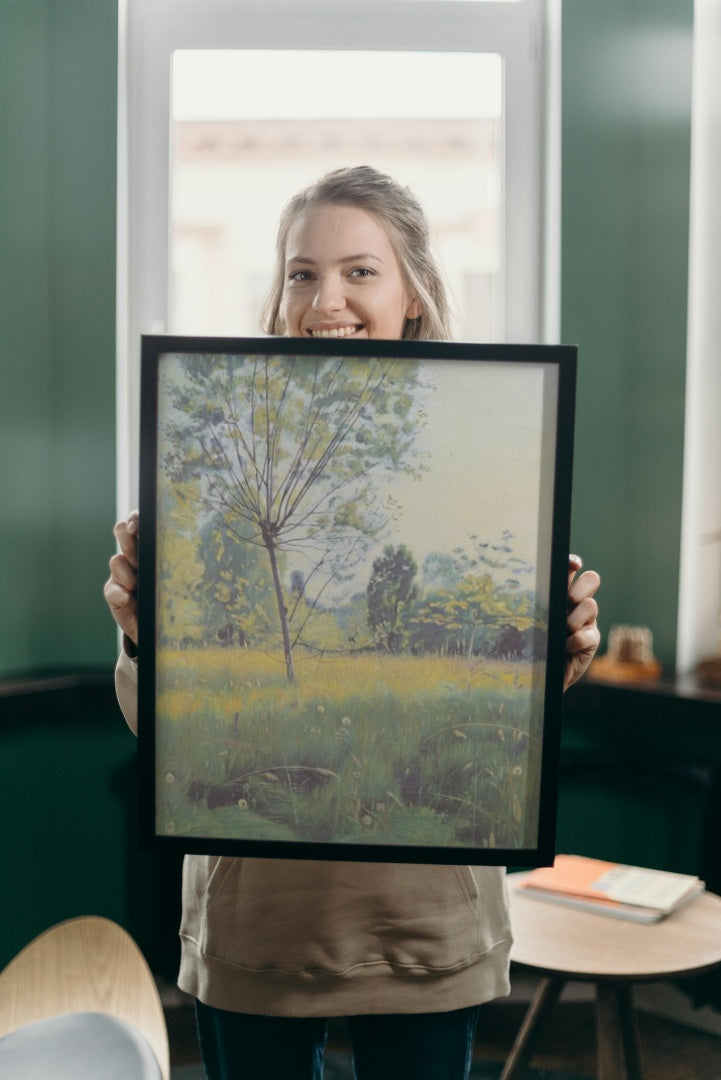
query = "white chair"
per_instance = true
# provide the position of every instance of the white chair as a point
(80, 1002)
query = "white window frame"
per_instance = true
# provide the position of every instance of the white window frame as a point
(526, 34)
(699, 597)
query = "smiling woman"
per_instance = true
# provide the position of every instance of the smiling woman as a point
(353, 259)
(332, 292)
(300, 472)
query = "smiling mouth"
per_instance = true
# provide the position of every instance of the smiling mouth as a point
(335, 331)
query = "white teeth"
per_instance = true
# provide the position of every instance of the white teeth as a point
(335, 332)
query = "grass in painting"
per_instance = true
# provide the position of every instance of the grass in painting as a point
(372, 748)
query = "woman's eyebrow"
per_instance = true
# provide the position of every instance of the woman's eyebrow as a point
(361, 257)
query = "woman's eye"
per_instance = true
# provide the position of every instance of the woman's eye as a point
(300, 276)
(362, 272)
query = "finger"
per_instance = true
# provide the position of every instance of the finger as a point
(583, 641)
(123, 573)
(585, 585)
(126, 534)
(119, 599)
(123, 608)
(575, 563)
(584, 613)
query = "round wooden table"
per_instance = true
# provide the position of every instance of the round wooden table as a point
(562, 944)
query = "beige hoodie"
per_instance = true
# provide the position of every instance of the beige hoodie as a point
(284, 937)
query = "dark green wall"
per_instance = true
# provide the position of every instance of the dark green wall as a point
(68, 804)
(58, 72)
(625, 202)
(640, 778)
(67, 775)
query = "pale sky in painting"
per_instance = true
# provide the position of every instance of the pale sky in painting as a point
(484, 436)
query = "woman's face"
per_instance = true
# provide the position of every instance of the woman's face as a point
(342, 277)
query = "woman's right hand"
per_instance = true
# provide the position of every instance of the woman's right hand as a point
(121, 587)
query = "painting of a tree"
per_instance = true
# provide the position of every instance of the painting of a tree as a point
(285, 456)
(345, 601)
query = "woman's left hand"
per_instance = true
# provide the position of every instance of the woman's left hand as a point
(583, 635)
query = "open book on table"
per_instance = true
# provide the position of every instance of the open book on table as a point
(608, 888)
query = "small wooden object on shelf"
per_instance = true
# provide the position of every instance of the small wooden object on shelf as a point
(708, 671)
(629, 657)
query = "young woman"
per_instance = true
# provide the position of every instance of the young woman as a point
(272, 948)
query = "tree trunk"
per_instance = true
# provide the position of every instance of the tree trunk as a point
(471, 641)
(269, 541)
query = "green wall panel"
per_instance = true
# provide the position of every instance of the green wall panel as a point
(626, 147)
(58, 75)
(641, 777)
(67, 846)
(69, 788)
(25, 397)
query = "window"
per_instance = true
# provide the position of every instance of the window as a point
(227, 107)
(235, 160)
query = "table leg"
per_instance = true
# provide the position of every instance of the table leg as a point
(545, 997)
(617, 1033)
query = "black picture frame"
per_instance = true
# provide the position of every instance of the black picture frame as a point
(353, 573)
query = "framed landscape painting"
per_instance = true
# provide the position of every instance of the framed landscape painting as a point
(353, 572)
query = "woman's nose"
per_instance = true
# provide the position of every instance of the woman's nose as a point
(329, 296)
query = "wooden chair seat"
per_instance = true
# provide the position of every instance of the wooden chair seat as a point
(84, 965)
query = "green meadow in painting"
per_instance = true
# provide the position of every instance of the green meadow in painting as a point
(341, 657)
(362, 749)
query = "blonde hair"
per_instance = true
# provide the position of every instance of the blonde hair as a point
(403, 217)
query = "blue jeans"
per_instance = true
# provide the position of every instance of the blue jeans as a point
(415, 1046)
